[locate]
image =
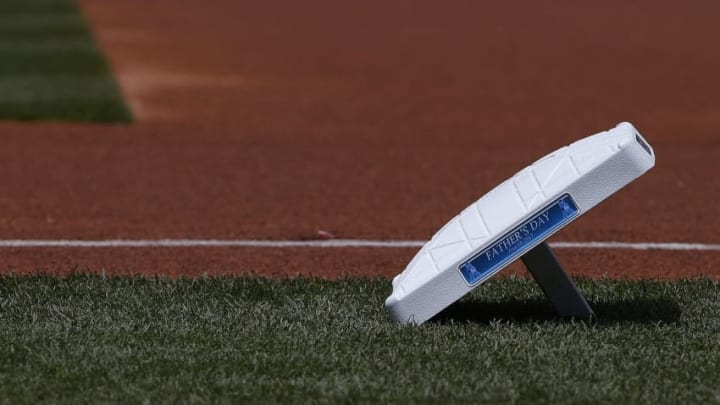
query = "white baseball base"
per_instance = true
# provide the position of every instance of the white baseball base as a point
(515, 217)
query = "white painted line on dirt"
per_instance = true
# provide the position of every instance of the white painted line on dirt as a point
(331, 243)
(210, 243)
(636, 246)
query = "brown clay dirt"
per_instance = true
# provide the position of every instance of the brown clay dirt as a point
(379, 120)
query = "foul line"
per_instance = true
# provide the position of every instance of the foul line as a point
(331, 243)
(636, 246)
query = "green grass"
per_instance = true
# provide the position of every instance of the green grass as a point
(89, 339)
(50, 67)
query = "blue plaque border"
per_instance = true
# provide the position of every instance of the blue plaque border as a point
(510, 246)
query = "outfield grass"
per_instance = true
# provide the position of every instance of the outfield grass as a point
(89, 338)
(50, 67)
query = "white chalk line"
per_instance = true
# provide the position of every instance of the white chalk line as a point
(636, 245)
(330, 243)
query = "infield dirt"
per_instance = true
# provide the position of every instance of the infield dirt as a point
(375, 120)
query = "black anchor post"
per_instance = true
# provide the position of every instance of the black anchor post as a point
(556, 283)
